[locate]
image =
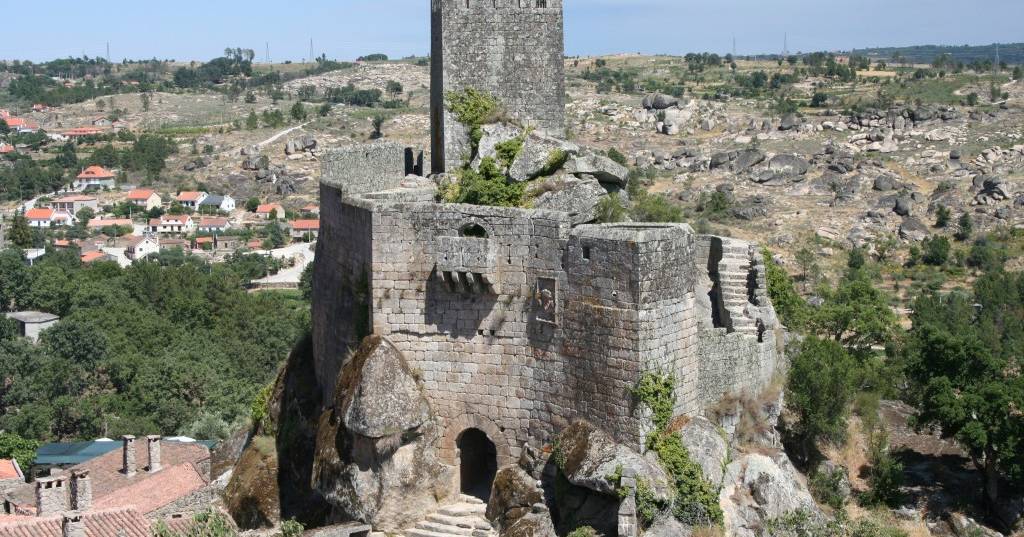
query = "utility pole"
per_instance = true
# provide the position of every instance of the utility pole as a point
(311, 57)
(108, 51)
(734, 48)
(268, 51)
(996, 66)
(785, 45)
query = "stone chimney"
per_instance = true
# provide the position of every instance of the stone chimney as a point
(128, 455)
(51, 495)
(81, 490)
(153, 448)
(72, 525)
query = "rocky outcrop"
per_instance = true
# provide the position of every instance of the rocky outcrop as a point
(252, 496)
(540, 155)
(517, 506)
(376, 459)
(758, 488)
(707, 447)
(493, 135)
(602, 168)
(578, 197)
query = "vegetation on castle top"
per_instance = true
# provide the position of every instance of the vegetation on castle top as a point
(486, 186)
(508, 150)
(474, 109)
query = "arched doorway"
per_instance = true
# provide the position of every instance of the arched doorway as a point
(478, 463)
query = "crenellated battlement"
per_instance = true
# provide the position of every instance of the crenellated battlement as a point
(472, 5)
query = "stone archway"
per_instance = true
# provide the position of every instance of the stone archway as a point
(478, 463)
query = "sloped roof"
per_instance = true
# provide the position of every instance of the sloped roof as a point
(112, 522)
(141, 194)
(157, 490)
(268, 207)
(189, 196)
(95, 172)
(305, 225)
(213, 200)
(9, 469)
(39, 214)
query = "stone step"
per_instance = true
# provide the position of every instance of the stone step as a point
(416, 532)
(465, 498)
(462, 521)
(463, 510)
(444, 529)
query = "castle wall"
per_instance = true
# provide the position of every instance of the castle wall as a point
(512, 49)
(734, 363)
(366, 168)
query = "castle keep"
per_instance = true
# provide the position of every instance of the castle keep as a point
(520, 322)
(512, 49)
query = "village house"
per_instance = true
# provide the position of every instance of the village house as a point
(138, 248)
(21, 125)
(270, 211)
(145, 199)
(95, 177)
(191, 200)
(159, 480)
(172, 244)
(312, 208)
(74, 203)
(32, 323)
(40, 107)
(11, 475)
(213, 224)
(100, 223)
(94, 256)
(6, 148)
(218, 203)
(82, 132)
(102, 121)
(42, 217)
(304, 229)
(177, 224)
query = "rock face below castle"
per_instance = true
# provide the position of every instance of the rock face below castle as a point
(517, 323)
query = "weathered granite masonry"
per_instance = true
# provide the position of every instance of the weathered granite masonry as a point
(519, 322)
(512, 49)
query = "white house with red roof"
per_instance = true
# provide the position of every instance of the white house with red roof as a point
(144, 199)
(303, 229)
(213, 224)
(138, 248)
(172, 224)
(191, 199)
(270, 211)
(43, 217)
(95, 177)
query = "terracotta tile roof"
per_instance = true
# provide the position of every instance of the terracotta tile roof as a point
(109, 523)
(16, 122)
(39, 214)
(268, 207)
(83, 131)
(89, 257)
(9, 469)
(6, 148)
(213, 221)
(62, 243)
(95, 172)
(104, 222)
(74, 198)
(140, 194)
(180, 219)
(189, 196)
(305, 225)
(155, 490)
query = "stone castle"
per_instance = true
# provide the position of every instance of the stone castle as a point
(512, 49)
(517, 321)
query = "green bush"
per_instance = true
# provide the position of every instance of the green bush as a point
(792, 310)
(826, 487)
(618, 157)
(488, 186)
(885, 475)
(936, 251)
(585, 531)
(818, 391)
(260, 410)
(610, 209)
(508, 151)
(473, 108)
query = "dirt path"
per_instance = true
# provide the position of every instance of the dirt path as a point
(279, 135)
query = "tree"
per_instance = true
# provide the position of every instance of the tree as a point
(253, 121)
(965, 228)
(252, 204)
(14, 278)
(68, 157)
(856, 314)
(324, 110)
(20, 234)
(146, 101)
(942, 216)
(275, 235)
(807, 261)
(4, 127)
(1018, 73)
(936, 251)
(962, 363)
(250, 98)
(306, 282)
(378, 124)
(20, 449)
(819, 389)
(394, 88)
(298, 112)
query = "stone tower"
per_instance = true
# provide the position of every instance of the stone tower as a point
(513, 49)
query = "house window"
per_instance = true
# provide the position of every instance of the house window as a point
(586, 253)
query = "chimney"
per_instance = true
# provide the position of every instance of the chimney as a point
(81, 491)
(51, 495)
(72, 525)
(128, 455)
(153, 448)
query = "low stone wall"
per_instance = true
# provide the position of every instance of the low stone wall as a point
(734, 363)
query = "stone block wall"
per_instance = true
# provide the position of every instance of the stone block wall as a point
(734, 364)
(512, 49)
(366, 168)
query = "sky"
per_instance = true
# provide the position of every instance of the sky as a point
(346, 29)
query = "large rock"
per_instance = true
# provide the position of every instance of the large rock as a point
(790, 122)
(707, 447)
(758, 488)
(748, 158)
(668, 526)
(376, 459)
(516, 506)
(603, 168)
(912, 229)
(578, 197)
(541, 155)
(788, 165)
(587, 456)
(493, 135)
(659, 101)
(252, 496)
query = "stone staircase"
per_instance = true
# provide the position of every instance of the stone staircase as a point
(465, 518)
(733, 274)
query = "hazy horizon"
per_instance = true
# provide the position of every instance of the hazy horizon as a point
(193, 30)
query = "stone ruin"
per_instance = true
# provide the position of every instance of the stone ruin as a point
(516, 322)
(452, 340)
